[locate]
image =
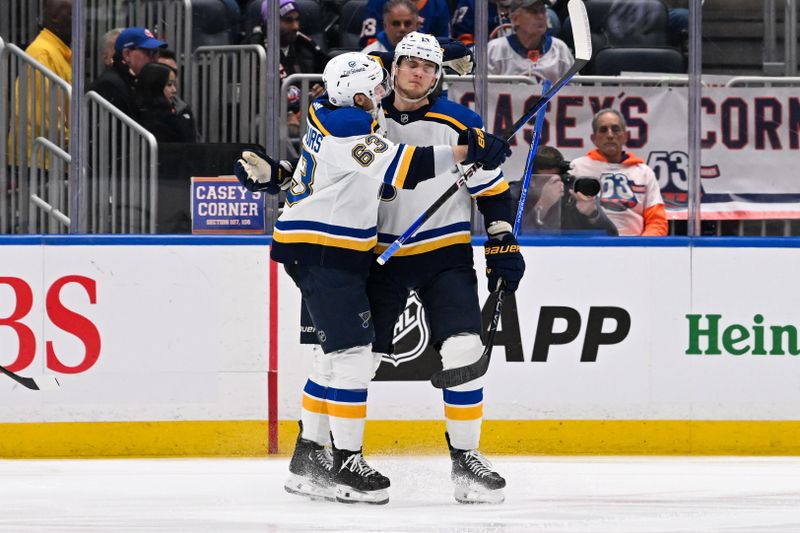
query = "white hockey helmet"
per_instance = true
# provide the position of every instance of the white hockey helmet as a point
(353, 73)
(422, 46)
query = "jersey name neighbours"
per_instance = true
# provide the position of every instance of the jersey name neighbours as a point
(708, 335)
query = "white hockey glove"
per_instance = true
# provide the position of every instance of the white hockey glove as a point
(256, 171)
(462, 66)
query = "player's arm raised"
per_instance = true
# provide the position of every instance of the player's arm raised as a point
(404, 166)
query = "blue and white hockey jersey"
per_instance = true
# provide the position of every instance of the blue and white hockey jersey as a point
(446, 236)
(331, 209)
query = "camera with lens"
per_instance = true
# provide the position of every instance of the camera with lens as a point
(588, 186)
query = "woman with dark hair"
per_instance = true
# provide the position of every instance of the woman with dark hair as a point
(157, 111)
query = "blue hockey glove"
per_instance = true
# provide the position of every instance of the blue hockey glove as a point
(487, 149)
(504, 261)
(457, 56)
(256, 171)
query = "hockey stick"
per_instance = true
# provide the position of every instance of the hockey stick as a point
(452, 377)
(41, 383)
(583, 53)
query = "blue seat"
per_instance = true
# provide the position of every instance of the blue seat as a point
(613, 61)
(350, 22)
(625, 23)
(212, 23)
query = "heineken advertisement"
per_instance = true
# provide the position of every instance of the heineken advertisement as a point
(708, 335)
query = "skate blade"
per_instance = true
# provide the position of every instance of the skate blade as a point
(345, 494)
(302, 486)
(470, 495)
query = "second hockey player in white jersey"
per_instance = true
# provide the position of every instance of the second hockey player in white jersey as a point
(325, 239)
(437, 262)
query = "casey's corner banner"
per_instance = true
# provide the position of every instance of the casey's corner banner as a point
(750, 140)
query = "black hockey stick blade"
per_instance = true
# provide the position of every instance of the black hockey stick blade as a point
(40, 383)
(453, 377)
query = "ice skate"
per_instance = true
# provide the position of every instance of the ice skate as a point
(356, 481)
(311, 467)
(474, 479)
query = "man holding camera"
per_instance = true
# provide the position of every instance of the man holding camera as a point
(565, 202)
(630, 194)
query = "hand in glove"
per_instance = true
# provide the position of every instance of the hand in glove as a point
(504, 261)
(487, 149)
(256, 171)
(457, 56)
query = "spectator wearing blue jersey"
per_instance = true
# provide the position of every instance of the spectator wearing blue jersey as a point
(400, 17)
(434, 19)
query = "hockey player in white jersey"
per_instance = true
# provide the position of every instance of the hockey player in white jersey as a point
(437, 261)
(325, 239)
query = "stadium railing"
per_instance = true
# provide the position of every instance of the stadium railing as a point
(49, 190)
(229, 83)
(19, 20)
(119, 189)
(771, 63)
(42, 111)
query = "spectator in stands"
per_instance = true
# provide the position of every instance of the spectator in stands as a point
(156, 91)
(630, 194)
(531, 50)
(400, 17)
(434, 19)
(51, 48)
(463, 23)
(299, 52)
(553, 207)
(109, 40)
(299, 55)
(135, 48)
(167, 57)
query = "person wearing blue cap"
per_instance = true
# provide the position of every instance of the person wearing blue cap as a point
(135, 47)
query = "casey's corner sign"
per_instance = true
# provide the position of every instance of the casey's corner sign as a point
(750, 140)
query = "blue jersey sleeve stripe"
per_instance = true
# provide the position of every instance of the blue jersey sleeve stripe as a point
(347, 395)
(388, 178)
(463, 398)
(428, 234)
(309, 225)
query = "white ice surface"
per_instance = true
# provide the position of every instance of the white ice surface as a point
(544, 494)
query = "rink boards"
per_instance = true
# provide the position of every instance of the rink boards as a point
(189, 346)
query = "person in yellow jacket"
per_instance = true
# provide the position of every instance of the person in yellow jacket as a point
(51, 48)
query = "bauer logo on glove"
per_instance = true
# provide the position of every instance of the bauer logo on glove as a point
(504, 263)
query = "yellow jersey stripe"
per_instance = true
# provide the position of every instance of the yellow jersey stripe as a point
(313, 116)
(324, 240)
(446, 118)
(314, 405)
(402, 170)
(498, 188)
(340, 410)
(421, 248)
(463, 413)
